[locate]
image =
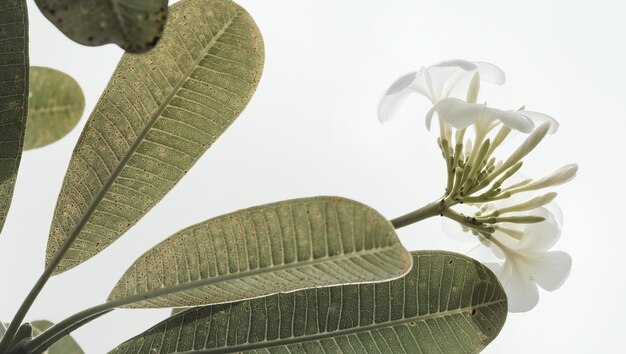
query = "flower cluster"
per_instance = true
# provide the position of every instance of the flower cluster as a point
(510, 215)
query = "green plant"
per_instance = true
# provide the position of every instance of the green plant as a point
(322, 274)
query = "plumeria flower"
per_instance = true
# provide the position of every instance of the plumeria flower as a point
(436, 82)
(460, 115)
(521, 249)
(519, 226)
(516, 224)
(528, 261)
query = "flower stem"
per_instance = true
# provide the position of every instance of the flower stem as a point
(425, 212)
(468, 221)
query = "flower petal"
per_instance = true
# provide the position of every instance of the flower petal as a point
(388, 105)
(455, 112)
(513, 119)
(398, 91)
(401, 83)
(520, 287)
(454, 230)
(549, 269)
(435, 79)
(539, 118)
(394, 96)
(484, 254)
(463, 64)
(490, 73)
(556, 212)
(500, 269)
(540, 236)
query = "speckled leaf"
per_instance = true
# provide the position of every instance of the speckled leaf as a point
(280, 247)
(448, 303)
(161, 111)
(66, 345)
(135, 25)
(13, 95)
(55, 105)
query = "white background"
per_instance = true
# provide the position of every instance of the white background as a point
(311, 129)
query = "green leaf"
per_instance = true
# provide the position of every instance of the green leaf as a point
(13, 95)
(161, 111)
(66, 345)
(448, 303)
(135, 25)
(279, 247)
(3, 329)
(55, 105)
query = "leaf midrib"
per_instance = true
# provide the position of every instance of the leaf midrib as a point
(145, 296)
(138, 140)
(120, 22)
(342, 332)
(53, 109)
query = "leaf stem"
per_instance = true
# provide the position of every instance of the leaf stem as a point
(425, 212)
(21, 312)
(50, 336)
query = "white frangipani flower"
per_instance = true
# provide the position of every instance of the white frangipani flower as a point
(460, 115)
(525, 228)
(436, 82)
(528, 261)
(517, 228)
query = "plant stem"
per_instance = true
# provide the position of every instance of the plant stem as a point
(46, 339)
(425, 212)
(21, 312)
(467, 221)
(34, 292)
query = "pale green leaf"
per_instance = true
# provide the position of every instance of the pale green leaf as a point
(161, 111)
(279, 247)
(135, 25)
(447, 303)
(13, 95)
(66, 345)
(55, 105)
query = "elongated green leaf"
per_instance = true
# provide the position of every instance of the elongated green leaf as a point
(273, 248)
(158, 115)
(66, 345)
(448, 303)
(55, 105)
(13, 95)
(135, 25)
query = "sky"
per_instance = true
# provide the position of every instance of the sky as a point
(311, 129)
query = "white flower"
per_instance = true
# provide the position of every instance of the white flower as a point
(521, 250)
(528, 261)
(436, 82)
(460, 115)
(518, 232)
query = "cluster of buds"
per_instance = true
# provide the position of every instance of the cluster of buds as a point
(509, 215)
